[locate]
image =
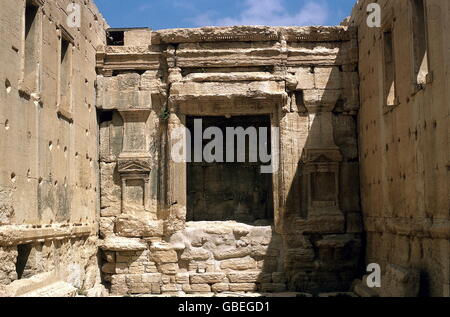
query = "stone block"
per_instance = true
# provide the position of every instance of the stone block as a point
(305, 78)
(398, 281)
(111, 192)
(273, 287)
(177, 240)
(122, 268)
(238, 264)
(182, 278)
(169, 288)
(169, 268)
(150, 268)
(301, 255)
(136, 269)
(261, 251)
(249, 277)
(326, 99)
(169, 256)
(160, 246)
(225, 252)
(327, 78)
(121, 258)
(196, 288)
(106, 226)
(279, 277)
(166, 279)
(220, 287)
(156, 288)
(119, 285)
(243, 287)
(195, 254)
(260, 235)
(122, 244)
(130, 226)
(207, 278)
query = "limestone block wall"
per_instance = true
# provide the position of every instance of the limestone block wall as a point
(404, 144)
(49, 194)
(306, 81)
(205, 257)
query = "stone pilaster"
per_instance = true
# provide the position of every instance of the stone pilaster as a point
(321, 158)
(134, 162)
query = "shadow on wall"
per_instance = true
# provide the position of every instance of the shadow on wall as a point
(314, 245)
(321, 220)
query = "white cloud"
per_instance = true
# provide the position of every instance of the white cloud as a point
(204, 19)
(144, 7)
(268, 12)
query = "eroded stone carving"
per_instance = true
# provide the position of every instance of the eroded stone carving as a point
(305, 234)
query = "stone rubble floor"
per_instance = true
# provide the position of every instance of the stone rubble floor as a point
(250, 295)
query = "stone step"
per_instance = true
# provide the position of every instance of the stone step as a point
(58, 289)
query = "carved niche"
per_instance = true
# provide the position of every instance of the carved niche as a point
(134, 164)
(321, 180)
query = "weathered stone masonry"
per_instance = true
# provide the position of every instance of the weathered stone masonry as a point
(306, 81)
(404, 145)
(91, 202)
(48, 147)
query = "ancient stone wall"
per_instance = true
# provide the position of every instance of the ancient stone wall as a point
(48, 140)
(87, 122)
(305, 79)
(404, 69)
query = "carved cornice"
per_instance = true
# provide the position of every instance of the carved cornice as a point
(254, 34)
(22, 234)
(134, 165)
(126, 58)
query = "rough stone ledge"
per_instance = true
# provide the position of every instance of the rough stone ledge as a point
(122, 244)
(234, 294)
(21, 287)
(58, 289)
(253, 33)
(219, 77)
(14, 235)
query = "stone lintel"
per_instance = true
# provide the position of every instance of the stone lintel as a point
(253, 33)
(22, 234)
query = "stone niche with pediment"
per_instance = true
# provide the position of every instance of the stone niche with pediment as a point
(320, 179)
(134, 173)
(134, 164)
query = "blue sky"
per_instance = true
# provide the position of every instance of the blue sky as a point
(163, 14)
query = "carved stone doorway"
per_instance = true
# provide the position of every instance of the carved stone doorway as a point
(231, 189)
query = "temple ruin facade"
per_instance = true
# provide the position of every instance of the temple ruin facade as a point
(93, 203)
